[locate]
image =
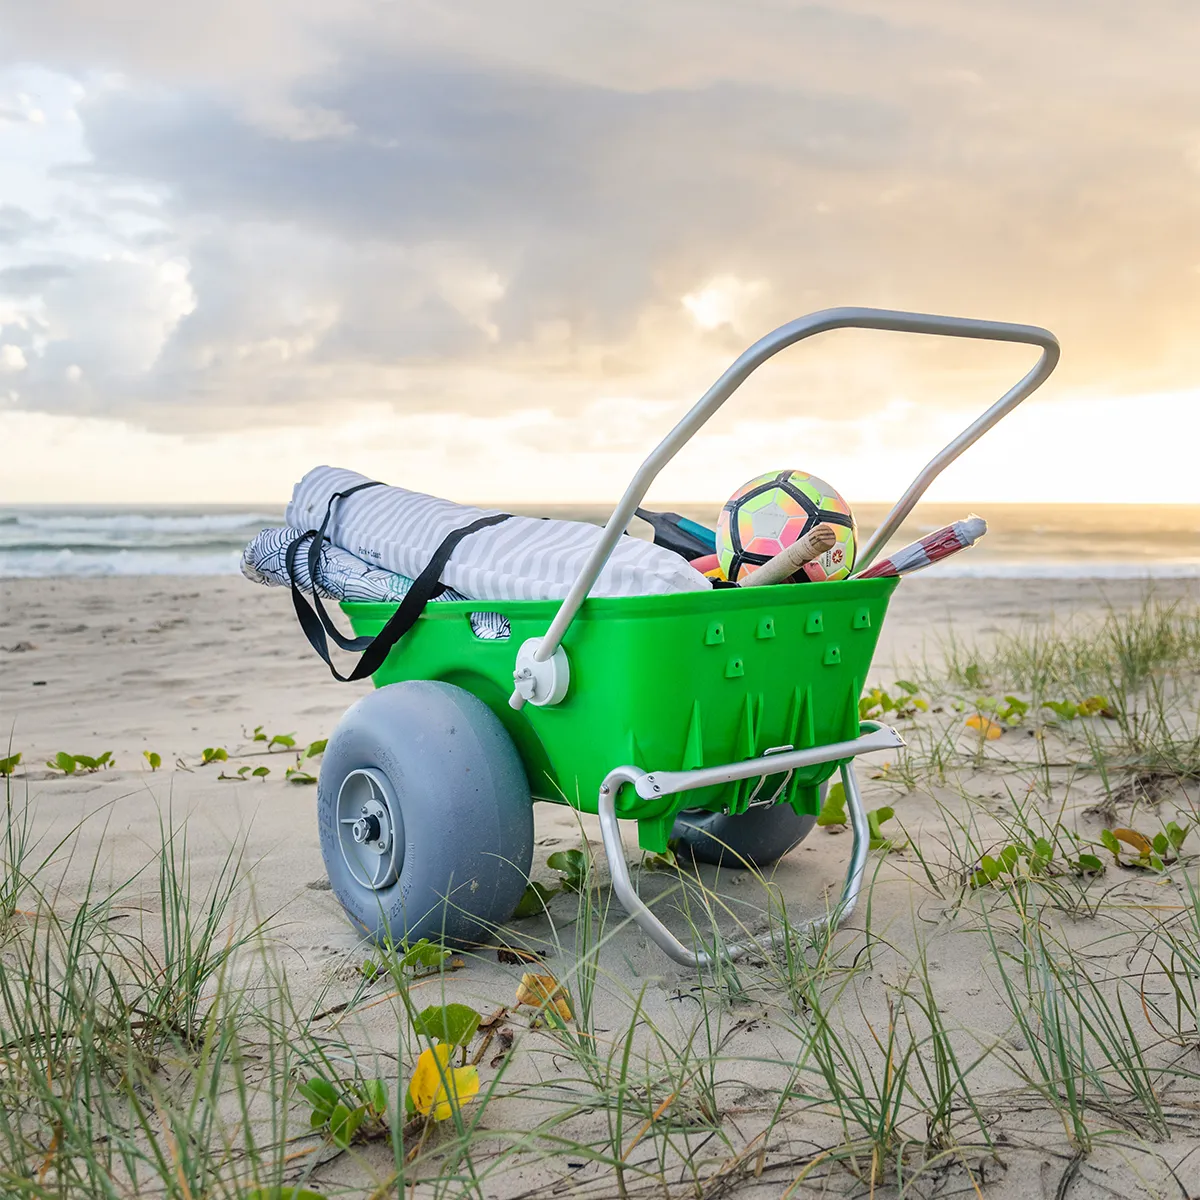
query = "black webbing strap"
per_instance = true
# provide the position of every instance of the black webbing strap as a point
(316, 623)
(316, 539)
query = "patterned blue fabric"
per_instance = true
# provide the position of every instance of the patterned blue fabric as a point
(343, 576)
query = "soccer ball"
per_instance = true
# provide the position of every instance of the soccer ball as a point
(771, 512)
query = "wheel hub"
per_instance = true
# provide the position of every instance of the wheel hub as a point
(370, 828)
(373, 828)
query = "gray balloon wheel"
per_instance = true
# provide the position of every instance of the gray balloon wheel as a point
(756, 837)
(425, 817)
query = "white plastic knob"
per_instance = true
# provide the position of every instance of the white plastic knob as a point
(541, 683)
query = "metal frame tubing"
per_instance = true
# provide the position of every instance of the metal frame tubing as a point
(754, 357)
(879, 737)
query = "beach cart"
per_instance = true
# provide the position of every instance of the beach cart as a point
(714, 717)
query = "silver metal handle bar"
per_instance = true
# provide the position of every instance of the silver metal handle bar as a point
(754, 357)
(668, 783)
(877, 737)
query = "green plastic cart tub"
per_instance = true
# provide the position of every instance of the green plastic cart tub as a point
(665, 682)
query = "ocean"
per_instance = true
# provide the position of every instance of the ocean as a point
(39, 542)
(1023, 540)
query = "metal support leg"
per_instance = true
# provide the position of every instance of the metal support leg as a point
(654, 928)
(618, 869)
(858, 852)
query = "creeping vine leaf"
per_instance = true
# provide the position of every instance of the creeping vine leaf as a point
(322, 1096)
(875, 818)
(1036, 861)
(666, 861)
(1086, 864)
(1152, 854)
(1093, 706)
(572, 865)
(437, 1089)
(423, 954)
(242, 772)
(1010, 711)
(833, 811)
(343, 1109)
(90, 764)
(1111, 844)
(533, 901)
(878, 703)
(987, 728)
(544, 992)
(344, 1123)
(1131, 837)
(991, 868)
(454, 1024)
(63, 762)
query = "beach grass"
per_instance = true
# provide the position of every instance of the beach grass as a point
(154, 1040)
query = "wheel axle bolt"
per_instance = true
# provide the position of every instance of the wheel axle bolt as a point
(365, 829)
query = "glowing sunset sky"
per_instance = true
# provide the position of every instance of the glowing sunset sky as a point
(493, 250)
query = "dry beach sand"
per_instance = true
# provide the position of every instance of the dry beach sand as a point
(175, 665)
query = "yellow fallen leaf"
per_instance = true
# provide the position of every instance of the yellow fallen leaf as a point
(1131, 837)
(989, 728)
(432, 1074)
(541, 991)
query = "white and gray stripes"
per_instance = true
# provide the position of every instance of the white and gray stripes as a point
(520, 559)
(341, 576)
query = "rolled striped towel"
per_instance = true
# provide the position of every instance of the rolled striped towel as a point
(522, 558)
(341, 576)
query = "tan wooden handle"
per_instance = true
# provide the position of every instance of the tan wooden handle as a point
(791, 558)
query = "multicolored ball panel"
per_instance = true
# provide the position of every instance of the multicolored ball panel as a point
(771, 512)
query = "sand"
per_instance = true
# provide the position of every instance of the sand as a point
(176, 665)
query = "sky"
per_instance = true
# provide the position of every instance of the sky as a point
(494, 250)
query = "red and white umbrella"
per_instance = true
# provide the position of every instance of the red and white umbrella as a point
(930, 549)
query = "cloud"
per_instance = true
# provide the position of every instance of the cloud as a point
(21, 112)
(281, 211)
(16, 225)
